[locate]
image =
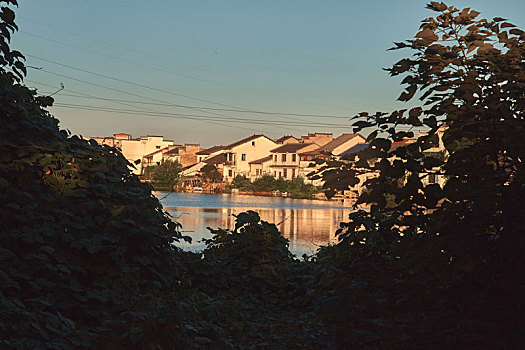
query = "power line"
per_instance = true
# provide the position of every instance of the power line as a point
(114, 45)
(131, 83)
(194, 116)
(149, 98)
(150, 110)
(150, 67)
(213, 109)
(137, 84)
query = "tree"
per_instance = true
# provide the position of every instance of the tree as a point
(210, 173)
(86, 254)
(465, 238)
(165, 175)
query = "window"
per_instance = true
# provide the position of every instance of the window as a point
(157, 147)
(230, 173)
(293, 171)
(243, 157)
(432, 178)
(275, 174)
(284, 157)
(275, 158)
(257, 172)
(294, 157)
(253, 143)
(280, 176)
(285, 173)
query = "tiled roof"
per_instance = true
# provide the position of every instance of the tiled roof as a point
(330, 146)
(355, 149)
(174, 151)
(247, 139)
(262, 160)
(218, 159)
(284, 138)
(290, 147)
(402, 143)
(211, 150)
(152, 153)
(315, 152)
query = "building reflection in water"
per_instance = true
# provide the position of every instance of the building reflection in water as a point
(307, 229)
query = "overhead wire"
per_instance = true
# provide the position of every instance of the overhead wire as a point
(151, 67)
(153, 99)
(138, 85)
(113, 45)
(195, 116)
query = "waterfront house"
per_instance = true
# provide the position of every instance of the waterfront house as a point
(134, 150)
(185, 155)
(342, 143)
(240, 153)
(286, 159)
(287, 139)
(319, 138)
(209, 152)
(260, 167)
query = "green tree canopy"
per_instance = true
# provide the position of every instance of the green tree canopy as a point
(86, 254)
(461, 244)
(165, 175)
(210, 173)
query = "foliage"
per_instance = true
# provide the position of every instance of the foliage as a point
(442, 254)
(258, 286)
(86, 255)
(165, 175)
(296, 186)
(210, 173)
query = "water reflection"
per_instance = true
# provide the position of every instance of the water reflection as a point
(308, 224)
(307, 229)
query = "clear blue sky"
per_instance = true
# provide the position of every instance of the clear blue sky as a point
(286, 56)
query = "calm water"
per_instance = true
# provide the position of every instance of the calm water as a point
(308, 224)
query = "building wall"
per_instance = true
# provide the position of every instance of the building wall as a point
(287, 165)
(259, 170)
(252, 150)
(135, 149)
(188, 155)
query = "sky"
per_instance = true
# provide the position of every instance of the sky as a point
(213, 72)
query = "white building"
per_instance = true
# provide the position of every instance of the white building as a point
(135, 149)
(239, 155)
(286, 159)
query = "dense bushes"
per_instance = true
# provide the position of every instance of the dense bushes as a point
(86, 255)
(433, 266)
(259, 289)
(296, 187)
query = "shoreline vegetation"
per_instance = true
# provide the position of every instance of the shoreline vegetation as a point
(87, 257)
(266, 186)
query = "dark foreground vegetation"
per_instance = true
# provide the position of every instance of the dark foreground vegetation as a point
(86, 255)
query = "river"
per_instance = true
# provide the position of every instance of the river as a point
(307, 224)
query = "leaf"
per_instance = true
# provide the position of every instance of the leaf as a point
(437, 6)
(372, 136)
(427, 34)
(408, 93)
(507, 25)
(516, 32)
